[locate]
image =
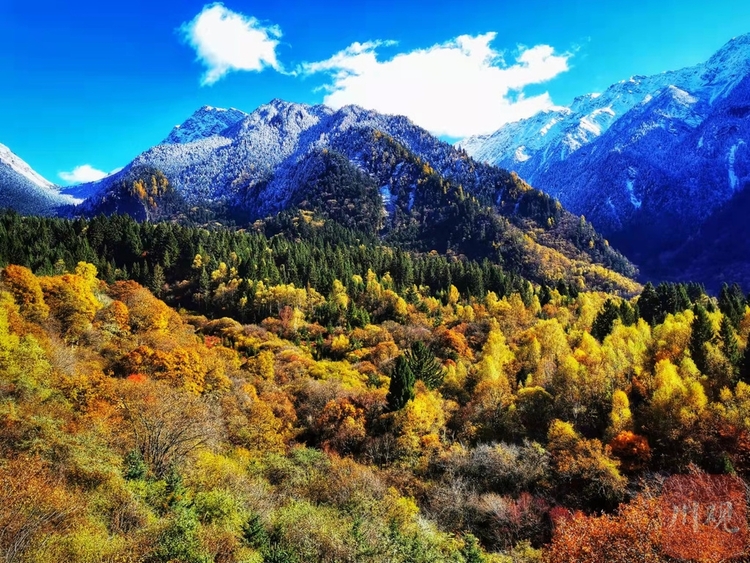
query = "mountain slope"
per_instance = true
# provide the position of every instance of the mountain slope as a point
(22, 189)
(645, 161)
(376, 173)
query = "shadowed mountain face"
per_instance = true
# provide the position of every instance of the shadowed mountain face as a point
(647, 161)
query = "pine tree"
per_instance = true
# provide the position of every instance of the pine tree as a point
(605, 320)
(401, 389)
(627, 313)
(732, 303)
(254, 532)
(135, 466)
(157, 280)
(729, 344)
(544, 295)
(425, 366)
(649, 305)
(702, 332)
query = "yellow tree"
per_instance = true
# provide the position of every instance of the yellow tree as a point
(26, 291)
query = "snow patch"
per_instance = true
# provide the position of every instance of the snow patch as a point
(387, 197)
(734, 182)
(629, 185)
(521, 155)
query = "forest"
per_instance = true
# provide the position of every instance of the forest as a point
(296, 392)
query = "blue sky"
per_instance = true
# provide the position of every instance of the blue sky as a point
(94, 83)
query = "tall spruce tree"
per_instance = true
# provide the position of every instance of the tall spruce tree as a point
(729, 345)
(744, 372)
(605, 320)
(649, 305)
(702, 332)
(424, 365)
(401, 389)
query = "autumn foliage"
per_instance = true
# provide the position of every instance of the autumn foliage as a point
(368, 421)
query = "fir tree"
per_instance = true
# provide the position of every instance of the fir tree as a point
(744, 371)
(254, 532)
(729, 344)
(401, 389)
(649, 305)
(471, 551)
(157, 281)
(425, 366)
(701, 333)
(135, 466)
(544, 295)
(627, 313)
(605, 320)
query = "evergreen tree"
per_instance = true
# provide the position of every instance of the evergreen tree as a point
(732, 303)
(544, 295)
(649, 305)
(627, 313)
(254, 532)
(135, 466)
(682, 301)
(701, 332)
(729, 344)
(425, 366)
(605, 320)
(744, 371)
(401, 389)
(471, 551)
(157, 280)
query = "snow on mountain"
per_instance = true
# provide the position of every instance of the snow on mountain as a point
(23, 189)
(648, 159)
(205, 122)
(12, 161)
(554, 135)
(251, 158)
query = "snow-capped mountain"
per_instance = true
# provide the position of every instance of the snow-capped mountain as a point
(228, 155)
(205, 122)
(648, 159)
(22, 189)
(378, 173)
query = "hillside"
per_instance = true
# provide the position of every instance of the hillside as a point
(648, 160)
(355, 418)
(380, 175)
(22, 189)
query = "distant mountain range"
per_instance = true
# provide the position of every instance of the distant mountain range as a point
(657, 164)
(378, 174)
(649, 160)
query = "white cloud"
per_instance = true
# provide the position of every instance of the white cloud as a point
(225, 41)
(82, 174)
(459, 88)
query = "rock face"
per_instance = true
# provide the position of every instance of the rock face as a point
(649, 159)
(26, 191)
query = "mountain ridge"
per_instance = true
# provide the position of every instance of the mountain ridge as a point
(648, 160)
(25, 190)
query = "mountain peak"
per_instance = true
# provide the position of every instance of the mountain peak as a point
(206, 122)
(10, 159)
